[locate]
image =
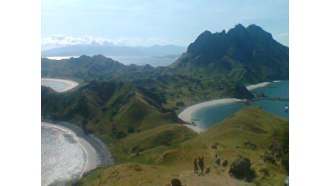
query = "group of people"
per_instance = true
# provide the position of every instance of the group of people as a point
(199, 165)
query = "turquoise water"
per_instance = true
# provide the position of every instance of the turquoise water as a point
(274, 90)
(210, 115)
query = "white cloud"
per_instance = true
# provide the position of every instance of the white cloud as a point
(59, 40)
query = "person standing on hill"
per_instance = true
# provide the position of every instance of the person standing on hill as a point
(201, 165)
(217, 163)
(195, 166)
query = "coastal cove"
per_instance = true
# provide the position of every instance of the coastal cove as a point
(67, 152)
(59, 85)
(274, 100)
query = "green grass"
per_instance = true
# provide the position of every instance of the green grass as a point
(141, 142)
(172, 149)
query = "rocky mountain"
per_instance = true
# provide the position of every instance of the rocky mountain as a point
(242, 54)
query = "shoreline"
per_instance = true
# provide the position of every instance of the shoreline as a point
(72, 84)
(98, 144)
(92, 158)
(187, 113)
(259, 85)
(96, 151)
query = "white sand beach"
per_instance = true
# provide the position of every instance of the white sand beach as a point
(92, 160)
(186, 114)
(251, 87)
(71, 84)
(90, 152)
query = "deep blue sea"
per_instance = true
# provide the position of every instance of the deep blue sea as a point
(211, 115)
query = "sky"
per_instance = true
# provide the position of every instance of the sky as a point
(155, 22)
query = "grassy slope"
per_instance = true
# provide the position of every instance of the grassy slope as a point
(160, 137)
(102, 106)
(153, 175)
(160, 163)
(115, 111)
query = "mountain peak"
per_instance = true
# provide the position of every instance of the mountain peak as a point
(242, 52)
(204, 35)
(99, 56)
(239, 26)
(257, 30)
(84, 57)
(254, 26)
(238, 29)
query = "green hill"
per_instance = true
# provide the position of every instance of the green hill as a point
(86, 68)
(251, 133)
(112, 109)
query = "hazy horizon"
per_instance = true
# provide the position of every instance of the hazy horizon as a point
(148, 23)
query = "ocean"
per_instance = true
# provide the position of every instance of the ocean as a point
(154, 61)
(62, 156)
(277, 98)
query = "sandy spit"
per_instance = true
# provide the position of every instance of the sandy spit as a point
(251, 87)
(71, 84)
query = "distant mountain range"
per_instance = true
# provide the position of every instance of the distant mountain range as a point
(114, 50)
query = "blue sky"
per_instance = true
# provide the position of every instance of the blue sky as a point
(155, 22)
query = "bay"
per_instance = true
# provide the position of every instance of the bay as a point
(275, 102)
(62, 156)
(56, 85)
